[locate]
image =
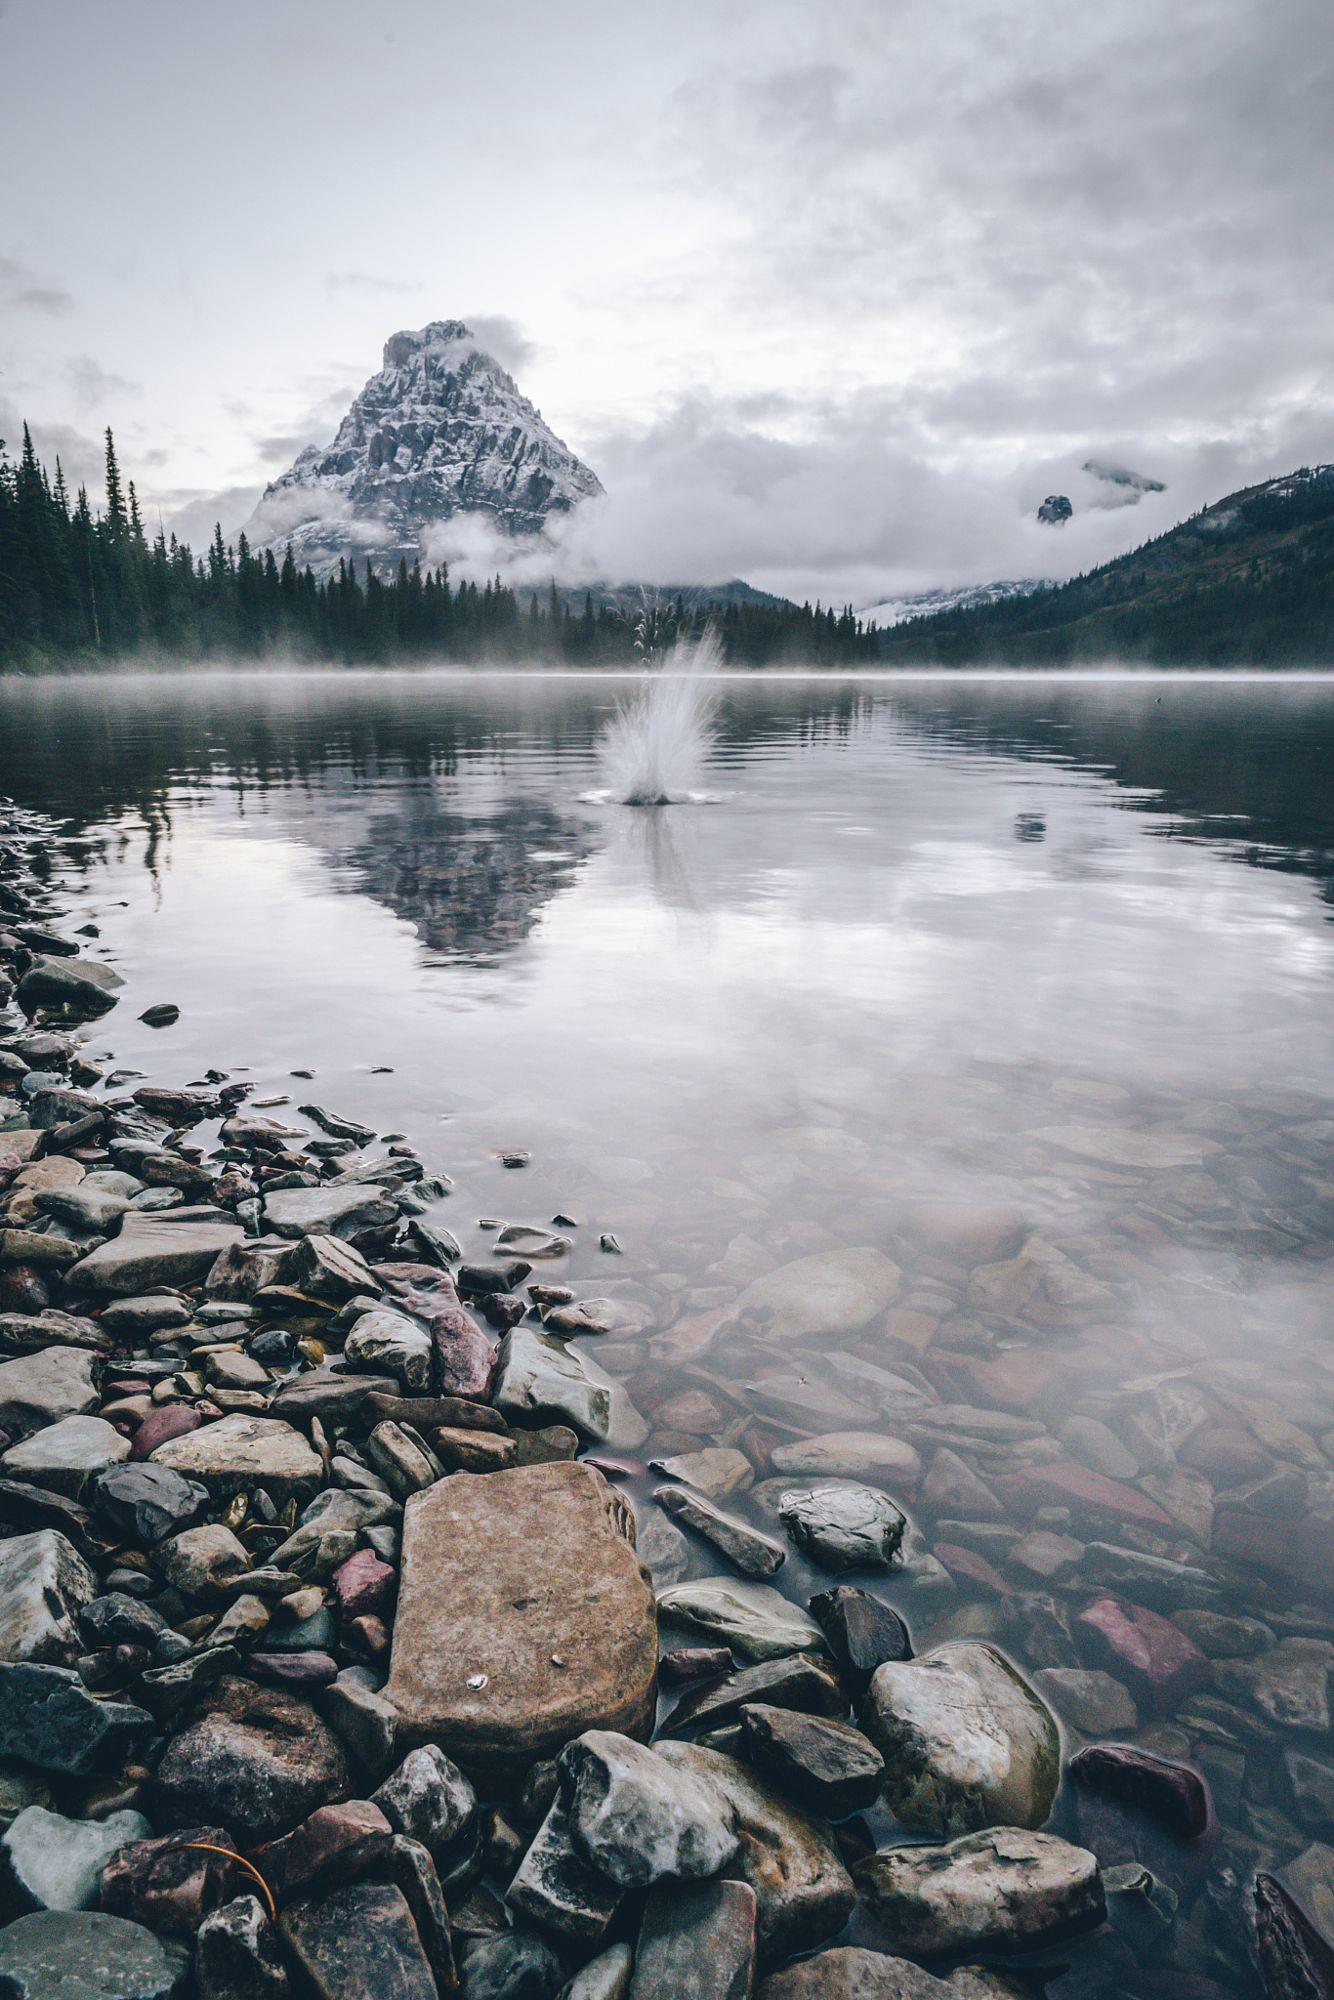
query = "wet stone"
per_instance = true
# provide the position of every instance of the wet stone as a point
(753, 1619)
(511, 1966)
(66, 1455)
(843, 1526)
(40, 1389)
(149, 1250)
(828, 1767)
(171, 1881)
(539, 1379)
(803, 1891)
(429, 1799)
(237, 1956)
(1004, 1887)
(1172, 1794)
(862, 1632)
(795, 1681)
(1155, 1660)
(852, 1973)
(145, 1502)
(967, 1742)
(751, 1553)
(636, 1819)
(698, 1943)
(239, 1452)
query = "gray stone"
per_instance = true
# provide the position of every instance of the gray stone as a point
(716, 1470)
(1290, 1686)
(804, 1893)
(237, 1955)
(750, 1617)
(606, 1977)
(828, 1767)
(1311, 1781)
(44, 1584)
(852, 1973)
(697, 1943)
(40, 1389)
(239, 1452)
(851, 1455)
(203, 1561)
(363, 1720)
(386, 1342)
(79, 989)
(328, 1211)
(177, 1248)
(84, 1955)
(429, 1799)
(1005, 1887)
(844, 1526)
(967, 1743)
(1090, 1701)
(558, 1889)
(256, 1759)
(621, 1318)
(636, 1819)
(540, 1380)
(54, 1863)
(510, 1966)
(817, 1298)
(748, 1551)
(66, 1455)
(48, 1718)
(524, 1616)
(144, 1502)
(796, 1681)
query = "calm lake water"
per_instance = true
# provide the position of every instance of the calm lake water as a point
(1026, 984)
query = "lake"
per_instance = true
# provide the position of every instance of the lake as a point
(1025, 986)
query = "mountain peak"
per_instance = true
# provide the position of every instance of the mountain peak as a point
(441, 430)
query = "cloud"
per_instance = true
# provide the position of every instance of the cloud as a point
(94, 386)
(82, 456)
(190, 512)
(504, 339)
(24, 290)
(364, 281)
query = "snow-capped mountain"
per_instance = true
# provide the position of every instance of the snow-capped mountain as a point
(964, 597)
(440, 431)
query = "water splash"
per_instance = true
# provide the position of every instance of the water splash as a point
(654, 749)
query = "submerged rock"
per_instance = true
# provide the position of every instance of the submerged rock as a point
(540, 1380)
(843, 1526)
(750, 1617)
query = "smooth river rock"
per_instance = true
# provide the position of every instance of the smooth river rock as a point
(819, 1297)
(540, 1381)
(751, 1618)
(850, 1973)
(54, 1863)
(1007, 1886)
(967, 1742)
(638, 1820)
(524, 1617)
(842, 1525)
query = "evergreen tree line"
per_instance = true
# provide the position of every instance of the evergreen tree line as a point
(78, 587)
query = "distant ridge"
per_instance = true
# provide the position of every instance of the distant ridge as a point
(1249, 581)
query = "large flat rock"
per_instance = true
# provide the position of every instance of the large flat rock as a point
(153, 1250)
(524, 1618)
(239, 1451)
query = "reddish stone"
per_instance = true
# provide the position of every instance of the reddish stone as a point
(1173, 1794)
(967, 1566)
(171, 1883)
(689, 1664)
(420, 1288)
(336, 1844)
(23, 1290)
(168, 1420)
(1296, 1959)
(363, 1583)
(1159, 1664)
(1226, 1454)
(294, 1670)
(465, 1361)
(1086, 1493)
(369, 1635)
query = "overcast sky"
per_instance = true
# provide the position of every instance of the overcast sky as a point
(830, 296)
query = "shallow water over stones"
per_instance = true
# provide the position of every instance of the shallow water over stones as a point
(988, 1175)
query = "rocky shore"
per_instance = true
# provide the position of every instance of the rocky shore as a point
(357, 1639)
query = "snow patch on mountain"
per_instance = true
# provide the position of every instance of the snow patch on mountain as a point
(965, 597)
(442, 431)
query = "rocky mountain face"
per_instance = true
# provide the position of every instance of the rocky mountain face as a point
(441, 430)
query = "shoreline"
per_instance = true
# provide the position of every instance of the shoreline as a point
(252, 1369)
